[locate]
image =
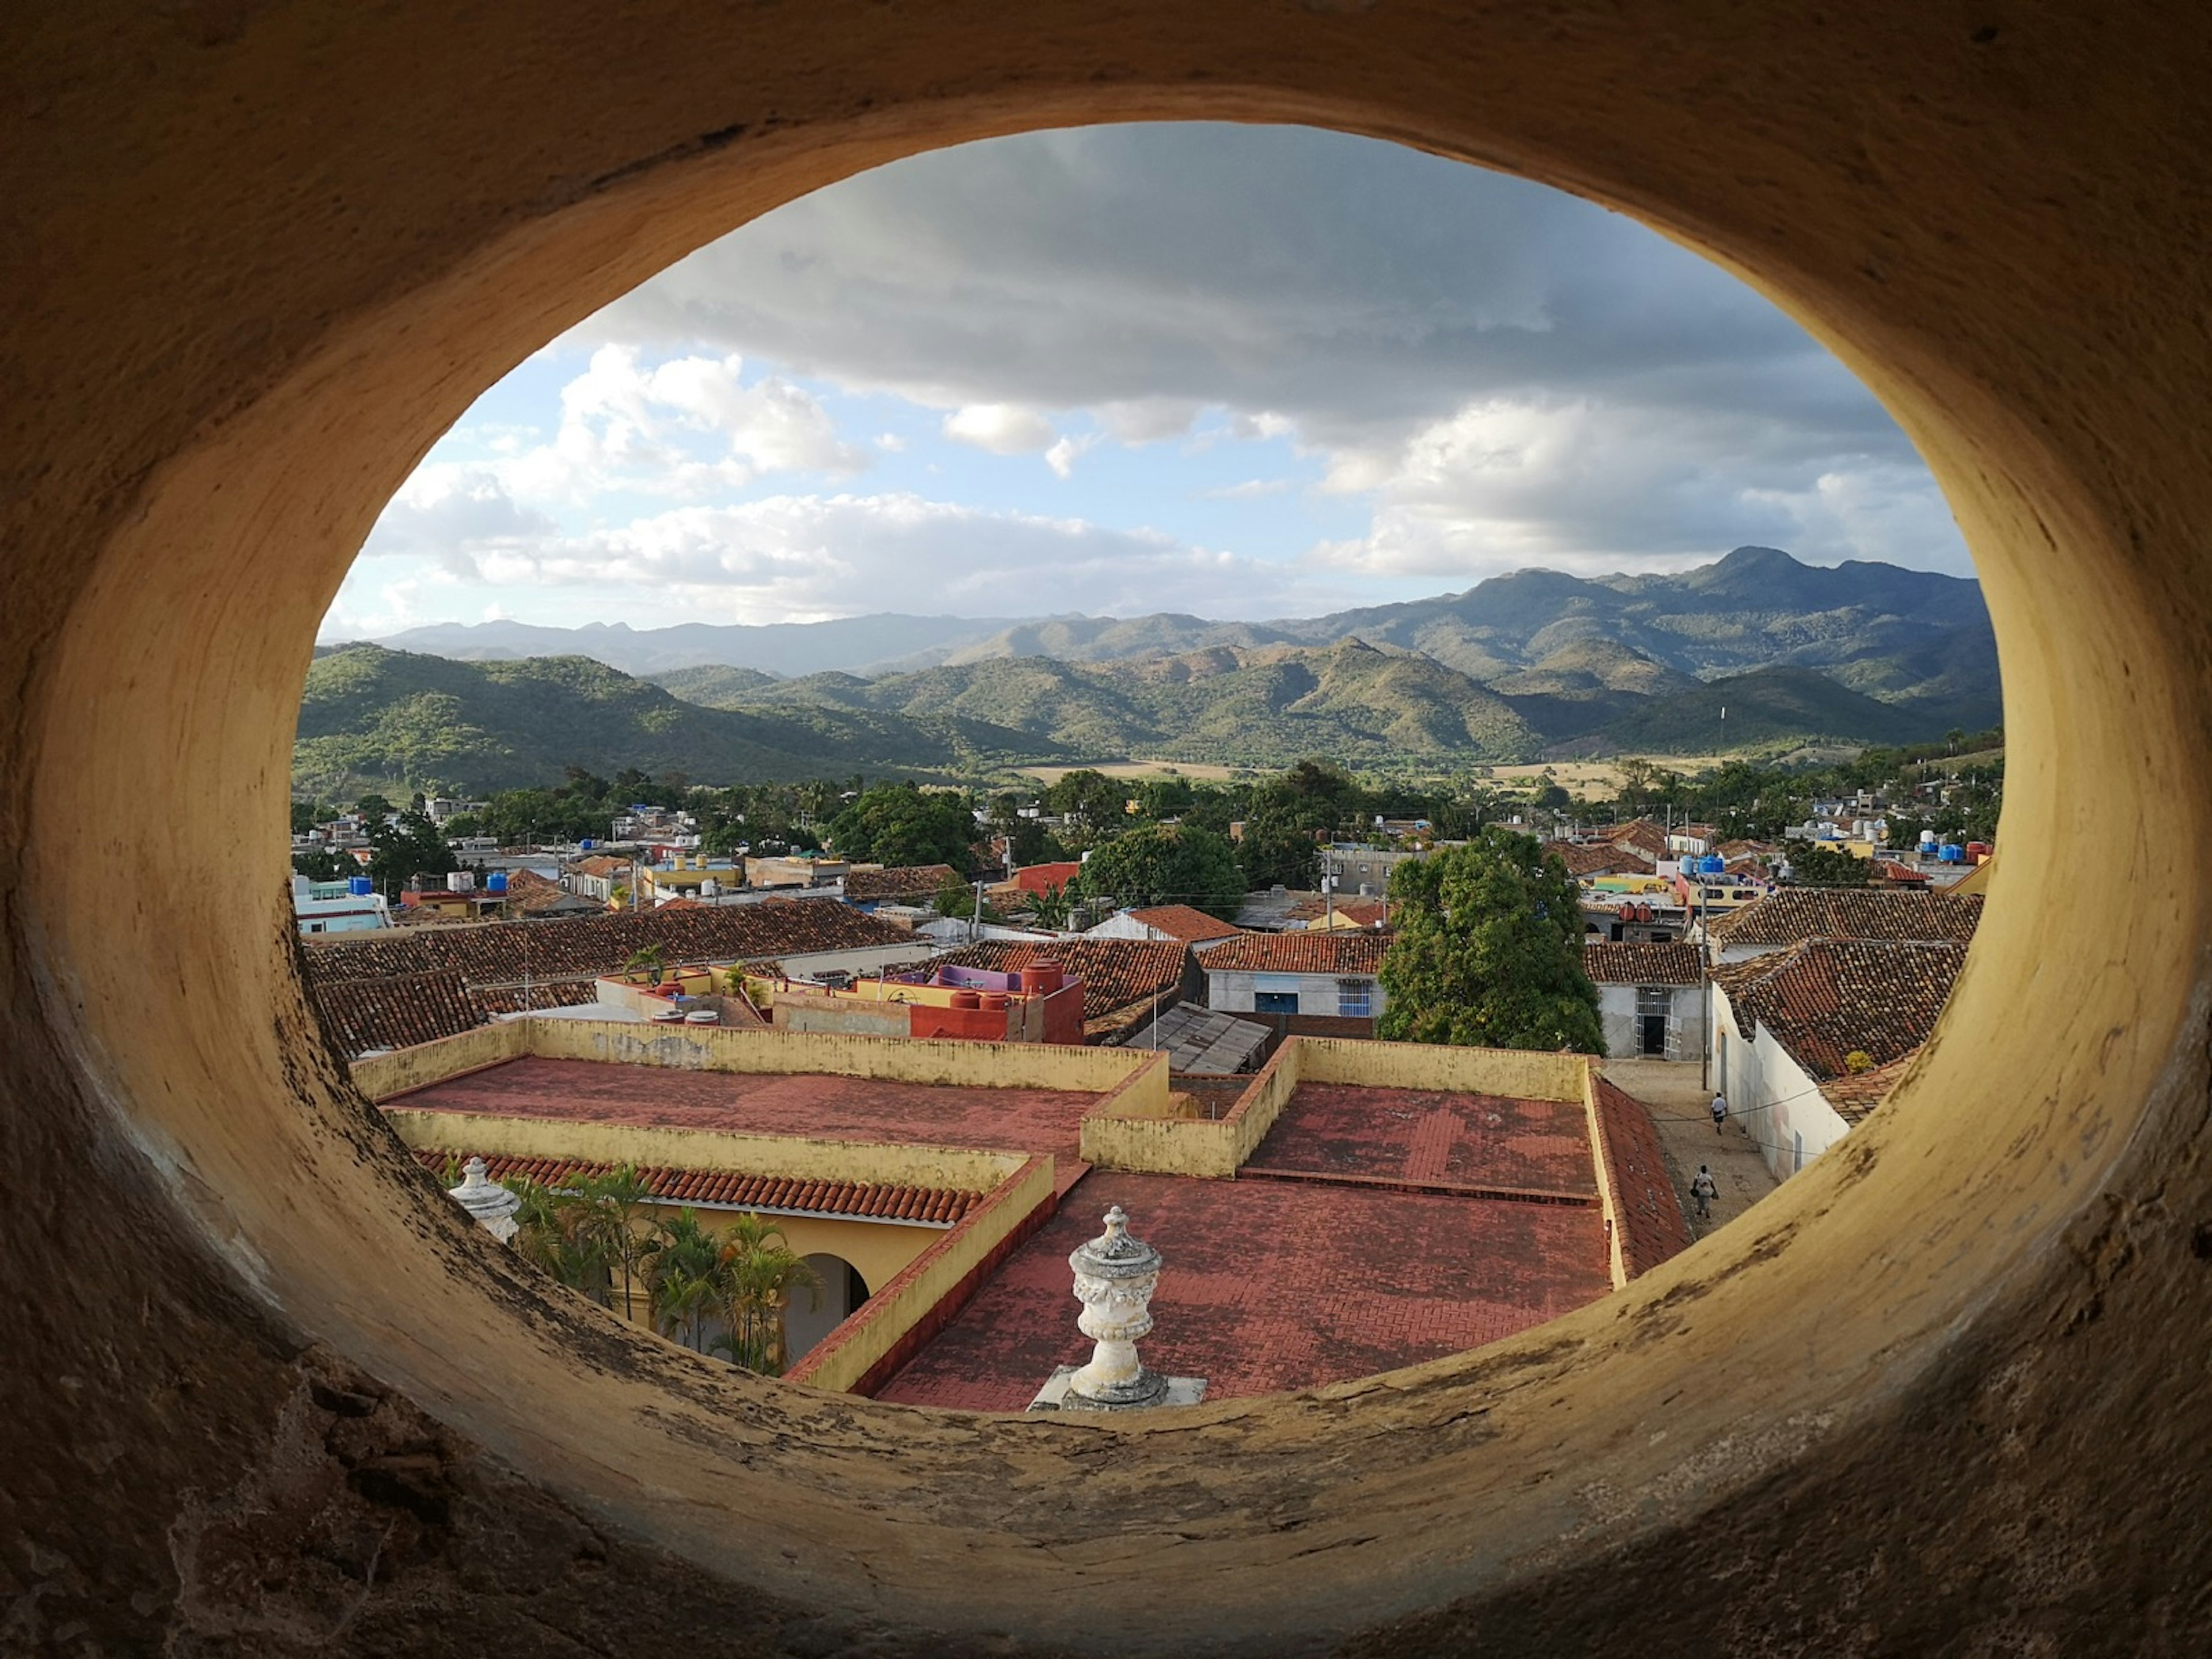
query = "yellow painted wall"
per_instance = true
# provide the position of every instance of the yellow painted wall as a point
(792, 1156)
(1519, 1072)
(848, 1353)
(728, 1048)
(1616, 1261)
(382, 1076)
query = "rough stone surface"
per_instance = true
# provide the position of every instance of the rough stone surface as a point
(1944, 1393)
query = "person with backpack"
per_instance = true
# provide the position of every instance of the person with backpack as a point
(1703, 1190)
(1720, 1110)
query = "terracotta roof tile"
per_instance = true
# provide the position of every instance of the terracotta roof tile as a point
(904, 881)
(502, 953)
(1186, 922)
(1802, 912)
(1116, 973)
(1583, 860)
(1642, 965)
(1825, 999)
(1856, 1093)
(875, 1200)
(1326, 952)
(398, 1011)
(1652, 1224)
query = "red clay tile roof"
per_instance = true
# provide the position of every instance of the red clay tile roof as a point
(903, 881)
(1582, 859)
(1641, 834)
(1184, 921)
(1825, 999)
(397, 1013)
(558, 994)
(1856, 1093)
(880, 1203)
(1803, 913)
(1036, 878)
(1300, 953)
(1642, 965)
(507, 952)
(1116, 973)
(1652, 1224)
(1314, 907)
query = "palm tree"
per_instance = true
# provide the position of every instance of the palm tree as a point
(759, 1274)
(647, 960)
(555, 1233)
(615, 1205)
(1052, 908)
(685, 1276)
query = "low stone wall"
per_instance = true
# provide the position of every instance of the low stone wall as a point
(383, 1077)
(1158, 1143)
(726, 1048)
(892, 1325)
(1518, 1074)
(793, 1156)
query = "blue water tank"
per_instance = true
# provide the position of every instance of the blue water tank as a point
(585, 845)
(1953, 853)
(1712, 865)
(360, 886)
(496, 883)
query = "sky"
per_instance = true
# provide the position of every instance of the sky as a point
(1239, 372)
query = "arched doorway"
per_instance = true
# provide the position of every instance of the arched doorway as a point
(839, 1290)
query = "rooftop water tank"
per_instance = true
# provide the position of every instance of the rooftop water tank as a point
(995, 1002)
(967, 1000)
(1712, 864)
(1953, 853)
(360, 886)
(1042, 978)
(585, 845)
(496, 883)
(461, 881)
(702, 1016)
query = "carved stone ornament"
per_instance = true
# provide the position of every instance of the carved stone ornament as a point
(491, 1204)
(1114, 1277)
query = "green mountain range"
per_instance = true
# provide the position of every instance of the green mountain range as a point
(1531, 666)
(1890, 633)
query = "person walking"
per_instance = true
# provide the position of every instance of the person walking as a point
(1720, 1110)
(1703, 1190)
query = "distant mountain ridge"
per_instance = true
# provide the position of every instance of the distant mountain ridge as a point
(1890, 633)
(1533, 665)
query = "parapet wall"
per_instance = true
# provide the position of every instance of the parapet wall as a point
(957, 1064)
(792, 1157)
(885, 1331)
(1154, 1142)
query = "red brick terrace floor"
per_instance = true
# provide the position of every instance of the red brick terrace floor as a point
(1270, 1285)
(1423, 1138)
(826, 1107)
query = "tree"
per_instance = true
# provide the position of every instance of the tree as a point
(1088, 797)
(1813, 865)
(1274, 851)
(1488, 951)
(901, 825)
(1052, 908)
(684, 1278)
(758, 1275)
(1168, 863)
(614, 1221)
(411, 847)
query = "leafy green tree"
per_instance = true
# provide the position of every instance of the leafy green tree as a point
(305, 814)
(1488, 952)
(1168, 863)
(1813, 865)
(1274, 851)
(317, 866)
(958, 898)
(1052, 908)
(403, 849)
(758, 1276)
(615, 1220)
(685, 1279)
(1088, 797)
(900, 824)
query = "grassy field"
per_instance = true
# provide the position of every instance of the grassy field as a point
(1596, 777)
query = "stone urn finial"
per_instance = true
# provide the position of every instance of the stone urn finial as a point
(1114, 1277)
(490, 1204)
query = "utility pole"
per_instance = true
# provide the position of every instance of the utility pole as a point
(975, 919)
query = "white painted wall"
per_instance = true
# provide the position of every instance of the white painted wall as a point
(1777, 1100)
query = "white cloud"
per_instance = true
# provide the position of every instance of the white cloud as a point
(799, 557)
(1002, 428)
(1062, 457)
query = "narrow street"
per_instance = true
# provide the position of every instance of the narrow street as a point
(1679, 1105)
